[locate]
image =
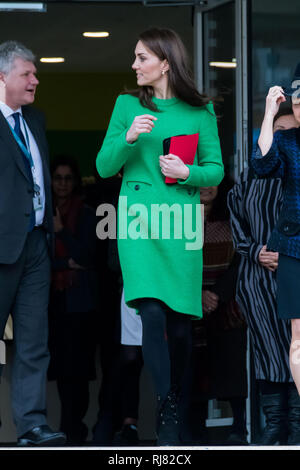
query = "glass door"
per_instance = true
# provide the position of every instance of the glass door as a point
(221, 58)
(219, 67)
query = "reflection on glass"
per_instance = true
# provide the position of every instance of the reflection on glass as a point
(275, 50)
(219, 74)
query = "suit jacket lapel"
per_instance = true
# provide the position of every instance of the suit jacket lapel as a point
(39, 136)
(11, 146)
(33, 125)
(38, 133)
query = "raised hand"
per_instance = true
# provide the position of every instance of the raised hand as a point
(274, 98)
(141, 124)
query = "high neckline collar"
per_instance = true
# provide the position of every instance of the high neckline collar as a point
(165, 102)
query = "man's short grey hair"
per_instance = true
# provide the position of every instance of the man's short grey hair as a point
(11, 50)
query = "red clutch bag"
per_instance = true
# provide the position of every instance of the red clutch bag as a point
(184, 146)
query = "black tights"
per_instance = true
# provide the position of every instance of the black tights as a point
(166, 344)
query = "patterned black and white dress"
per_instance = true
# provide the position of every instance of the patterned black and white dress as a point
(254, 205)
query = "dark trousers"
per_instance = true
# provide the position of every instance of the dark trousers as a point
(24, 292)
(131, 359)
(74, 399)
(72, 363)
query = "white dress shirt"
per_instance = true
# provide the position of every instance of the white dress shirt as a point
(37, 170)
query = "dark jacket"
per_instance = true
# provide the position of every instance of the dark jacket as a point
(81, 247)
(16, 187)
(283, 160)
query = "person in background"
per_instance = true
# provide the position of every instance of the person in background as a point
(25, 228)
(220, 338)
(131, 364)
(120, 334)
(109, 416)
(255, 204)
(73, 298)
(155, 269)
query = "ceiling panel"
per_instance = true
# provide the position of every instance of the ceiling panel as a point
(58, 32)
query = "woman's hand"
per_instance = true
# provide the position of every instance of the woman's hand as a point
(141, 124)
(210, 301)
(57, 222)
(268, 259)
(73, 265)
(273, 100)
(173, 167)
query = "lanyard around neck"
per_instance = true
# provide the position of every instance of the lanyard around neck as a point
(25, 149)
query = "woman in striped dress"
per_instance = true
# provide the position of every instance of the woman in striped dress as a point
(254, 205)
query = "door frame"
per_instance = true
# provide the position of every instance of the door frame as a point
(242, 21)
(241, 71)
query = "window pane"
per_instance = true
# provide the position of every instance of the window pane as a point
(219, 74)
(275, 50)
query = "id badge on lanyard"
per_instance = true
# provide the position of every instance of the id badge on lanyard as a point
(37, 200)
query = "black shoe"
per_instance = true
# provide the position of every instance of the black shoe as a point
(42, 436)
(275, 410)
(293, 416)
(76, 434)
(128, 436)
(103, 431)
(168, 430)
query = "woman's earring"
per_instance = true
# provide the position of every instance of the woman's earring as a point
(162, 72)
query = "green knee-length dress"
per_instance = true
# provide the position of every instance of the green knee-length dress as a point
(159, 224)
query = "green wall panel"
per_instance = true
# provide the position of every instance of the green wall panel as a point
(82, 145)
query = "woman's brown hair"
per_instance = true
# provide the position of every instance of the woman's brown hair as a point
(167, 45)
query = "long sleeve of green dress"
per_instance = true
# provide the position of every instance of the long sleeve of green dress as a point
(115, 149)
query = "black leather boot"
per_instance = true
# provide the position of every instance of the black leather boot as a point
(275, 410)
(168, 421)
(293, 416)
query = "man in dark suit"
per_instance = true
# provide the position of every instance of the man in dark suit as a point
(25, 234)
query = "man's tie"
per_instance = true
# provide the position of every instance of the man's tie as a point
(19, 133)
(17, 128)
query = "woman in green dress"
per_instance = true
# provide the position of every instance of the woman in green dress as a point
(159, 224)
